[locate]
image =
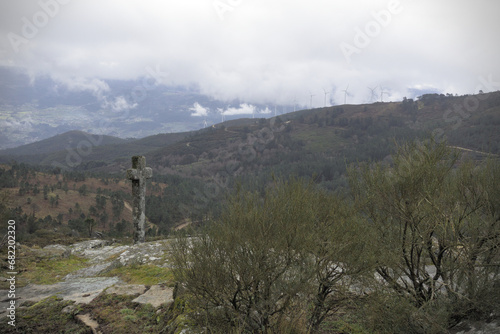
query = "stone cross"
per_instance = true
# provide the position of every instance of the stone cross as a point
(138, 174)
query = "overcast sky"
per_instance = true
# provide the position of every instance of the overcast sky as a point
(260, 51)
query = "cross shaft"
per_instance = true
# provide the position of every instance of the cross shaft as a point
(138, 175)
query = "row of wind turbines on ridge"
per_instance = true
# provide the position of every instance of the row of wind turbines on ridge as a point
(373, 98)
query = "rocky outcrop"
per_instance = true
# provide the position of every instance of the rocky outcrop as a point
(81, 291)
(82, 286)
(92, 270)
(156, 296)
(127, 289)
(97, 251)
(80, 247)
(145, 253)
(104, 257)
(57, 251)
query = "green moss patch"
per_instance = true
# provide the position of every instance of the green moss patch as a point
(46, 271)
(146, 274)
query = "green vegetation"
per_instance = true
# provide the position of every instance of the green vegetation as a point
(261, 265)
(195, 170)
(116, 314)
(413, 247)
(436, 230)
(327, 229)
(34, 269)
(427, 226)
(46, 316)
(147, 274)
(53, 206)
(50, 271)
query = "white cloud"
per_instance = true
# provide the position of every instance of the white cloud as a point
(243, 109)
(97, 87)
(198, 110)
(25, 125)
(265, 111)
(119, 104)
(262, 51)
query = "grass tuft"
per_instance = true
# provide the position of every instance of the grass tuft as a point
(46, 271)
(146, 274)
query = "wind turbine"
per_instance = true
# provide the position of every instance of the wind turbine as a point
(373, 96)
(345, 94)
(205, 123)
(221, 113)
(382, 93)
(326, 93)
(311, 99)
(294, 104)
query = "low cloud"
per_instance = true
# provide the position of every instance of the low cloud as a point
(254, 53)
(119, 104)
(244, 109)
(265, 111)
(25, 125)
(96, 87)
(99, 89)
(198, 110)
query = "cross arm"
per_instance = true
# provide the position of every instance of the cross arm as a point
(137, 174)
(133, 174)
(147, 173)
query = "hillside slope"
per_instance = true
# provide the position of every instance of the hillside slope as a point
(70, 139)
(322, 141)
(78, 148)
(317, 141)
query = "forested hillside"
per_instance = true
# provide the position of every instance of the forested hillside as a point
(53, 206)
(80, 186)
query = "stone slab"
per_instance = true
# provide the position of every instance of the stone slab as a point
(81, 291)
(89, 322)
(156, 296)
(127, 289)
(80, 247)
(92, 270)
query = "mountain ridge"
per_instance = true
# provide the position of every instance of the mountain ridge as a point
(60, 142)
(251, 144)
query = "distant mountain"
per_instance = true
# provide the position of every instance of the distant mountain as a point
(75, 149)
(37, 108)
(318, 141)
(68, 140)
